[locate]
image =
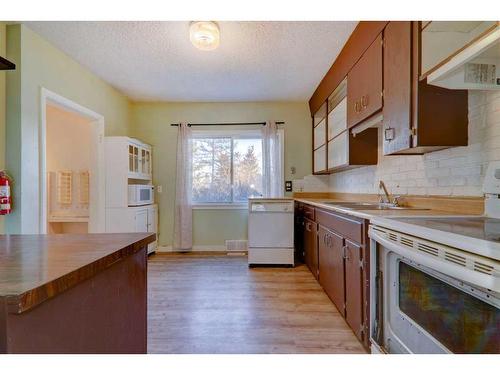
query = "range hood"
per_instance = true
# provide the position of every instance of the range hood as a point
(475, 66)
(6, 64)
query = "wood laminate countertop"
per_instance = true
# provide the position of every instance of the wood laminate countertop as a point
(34, 268)
(370, 214)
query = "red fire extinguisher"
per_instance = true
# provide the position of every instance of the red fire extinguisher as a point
(5, 194)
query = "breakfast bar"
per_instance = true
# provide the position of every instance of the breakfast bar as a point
(74, 293)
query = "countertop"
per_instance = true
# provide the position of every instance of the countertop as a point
(34, 268)
(370, 214)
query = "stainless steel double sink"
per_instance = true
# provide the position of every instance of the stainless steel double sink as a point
(369, 206)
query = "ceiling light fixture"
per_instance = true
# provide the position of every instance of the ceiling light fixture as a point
(204, 35)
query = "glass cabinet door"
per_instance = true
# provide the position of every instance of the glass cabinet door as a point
(319, 139)
(130, 158)
(147, 162)
(136, 159)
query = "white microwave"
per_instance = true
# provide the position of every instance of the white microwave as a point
(140, 195)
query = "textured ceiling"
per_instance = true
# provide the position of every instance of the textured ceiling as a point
(155, 61)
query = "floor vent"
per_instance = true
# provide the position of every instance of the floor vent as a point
(236, 245)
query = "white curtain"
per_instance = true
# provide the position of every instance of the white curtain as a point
(273, 174)
(183, 219)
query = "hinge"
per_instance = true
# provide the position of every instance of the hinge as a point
(382, 93)
(413, 131)
(361, 264)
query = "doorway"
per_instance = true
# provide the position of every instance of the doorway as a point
(72, 186)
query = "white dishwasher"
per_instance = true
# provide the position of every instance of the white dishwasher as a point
(270, 231)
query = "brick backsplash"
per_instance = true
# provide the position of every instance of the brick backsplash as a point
(457, 171)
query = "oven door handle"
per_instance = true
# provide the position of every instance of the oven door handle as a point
(448, 268)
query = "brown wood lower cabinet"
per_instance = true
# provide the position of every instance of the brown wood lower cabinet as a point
(336, 251)
(331, 266)
(354, 287)
(311, 246)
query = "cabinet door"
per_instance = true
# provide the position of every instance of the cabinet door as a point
(152, 219)
(338, 151)
(397, 87)
(320, 134)
(354, 288)
(337, 119)
(364, 85)
(331, 266)
(141, 221)
(311, 246)
(320, 159)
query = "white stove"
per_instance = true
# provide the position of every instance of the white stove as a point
(435, 281)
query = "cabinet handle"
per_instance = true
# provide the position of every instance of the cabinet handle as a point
(364, 101)
(308, 227)
(344, 252)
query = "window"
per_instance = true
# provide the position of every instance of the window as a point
(227, 167)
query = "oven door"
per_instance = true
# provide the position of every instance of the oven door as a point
(426, 311)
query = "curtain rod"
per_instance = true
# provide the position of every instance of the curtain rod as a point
(232, 123)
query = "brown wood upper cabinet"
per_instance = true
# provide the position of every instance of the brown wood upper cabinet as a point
(417, 117)
(364, 85)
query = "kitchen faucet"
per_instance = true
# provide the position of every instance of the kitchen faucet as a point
(388, 200)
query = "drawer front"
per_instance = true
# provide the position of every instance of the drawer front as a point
(348, 226)
(309, 212)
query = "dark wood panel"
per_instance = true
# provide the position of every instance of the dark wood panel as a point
(359, 41)
(363, 148)
(299, 232)
(348, 226)
(442, 117)
(354, 285)
(397, 87)
(364, 85)
(331, 266)
(103, 314)
(35, 268)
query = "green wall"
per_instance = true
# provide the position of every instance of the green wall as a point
(151, 123)
(3, 52)
(40, 64)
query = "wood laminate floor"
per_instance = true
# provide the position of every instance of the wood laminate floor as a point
(202, 303)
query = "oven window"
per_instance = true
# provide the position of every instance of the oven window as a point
(145, 195)
(459, 321)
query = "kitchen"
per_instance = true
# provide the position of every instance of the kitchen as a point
(353, 211)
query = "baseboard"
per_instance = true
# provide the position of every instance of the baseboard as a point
(198, 248)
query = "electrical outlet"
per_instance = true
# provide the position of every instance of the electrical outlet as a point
(288, 186)
(159, 189)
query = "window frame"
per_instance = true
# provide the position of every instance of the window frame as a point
(251, 133)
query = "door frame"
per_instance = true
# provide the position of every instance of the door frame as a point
(97, 210)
